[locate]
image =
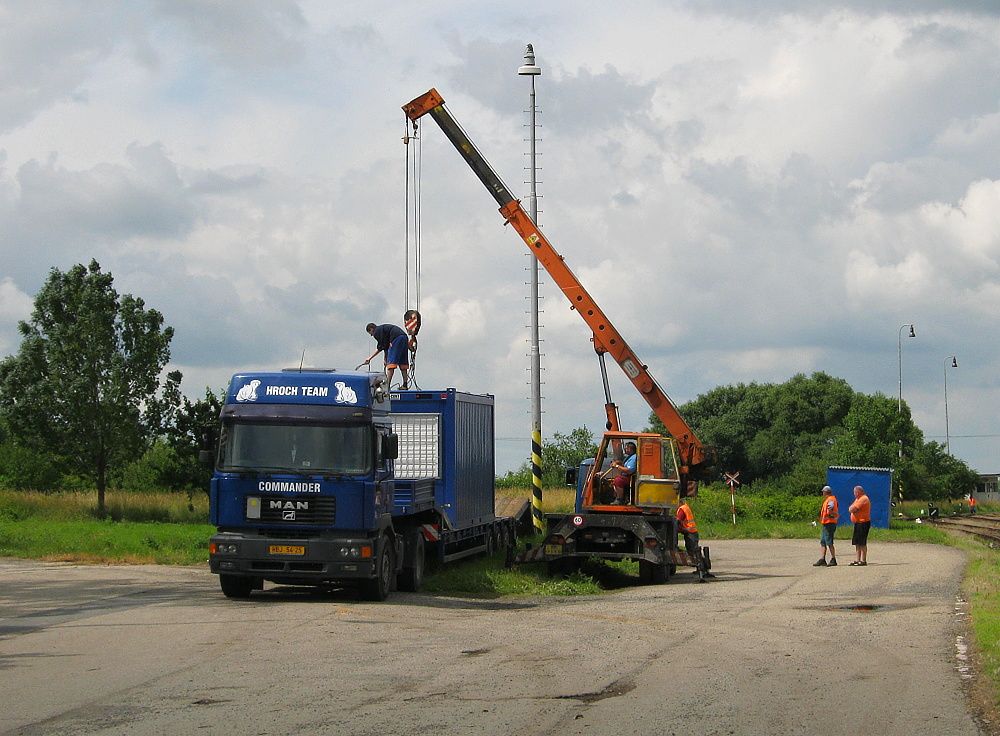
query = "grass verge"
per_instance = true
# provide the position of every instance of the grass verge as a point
(88, 541)
(981, 588)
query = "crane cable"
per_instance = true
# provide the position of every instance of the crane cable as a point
(411, 315)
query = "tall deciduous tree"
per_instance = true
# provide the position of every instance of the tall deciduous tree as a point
(86, 385)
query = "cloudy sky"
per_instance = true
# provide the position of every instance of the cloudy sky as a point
(749, 190)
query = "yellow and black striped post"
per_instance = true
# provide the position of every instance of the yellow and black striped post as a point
(536, 481)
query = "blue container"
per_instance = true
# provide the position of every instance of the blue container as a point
(877, 483)
(447, 437)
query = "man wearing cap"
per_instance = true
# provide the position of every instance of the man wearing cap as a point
(828, 515)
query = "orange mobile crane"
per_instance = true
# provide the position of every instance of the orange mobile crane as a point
(642, 525)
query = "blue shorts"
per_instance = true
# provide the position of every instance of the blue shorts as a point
(826, 538)
(396, 355)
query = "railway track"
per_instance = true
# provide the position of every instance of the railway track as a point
(984, 526)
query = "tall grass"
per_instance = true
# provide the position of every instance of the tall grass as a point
(165, 507)
(163, 528)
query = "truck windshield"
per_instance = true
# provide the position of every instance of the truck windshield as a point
(296, 448)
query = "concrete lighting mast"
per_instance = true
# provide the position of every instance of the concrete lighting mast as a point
(531, 70)
(899, 353)
(947, 431)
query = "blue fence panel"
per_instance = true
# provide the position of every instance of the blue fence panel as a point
(877, 483)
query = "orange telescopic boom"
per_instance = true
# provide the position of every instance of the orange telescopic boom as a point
(607, 340)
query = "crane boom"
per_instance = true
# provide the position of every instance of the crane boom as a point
(606, 338)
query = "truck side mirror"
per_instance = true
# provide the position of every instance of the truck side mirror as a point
(205, 457)
(390, 446)
(571, 476)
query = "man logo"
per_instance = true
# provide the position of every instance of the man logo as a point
(288, 515)
(248, 392)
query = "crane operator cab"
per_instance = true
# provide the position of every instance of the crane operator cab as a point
(634, 471)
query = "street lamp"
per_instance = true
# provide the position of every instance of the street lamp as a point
(899, 408)
(947, 435)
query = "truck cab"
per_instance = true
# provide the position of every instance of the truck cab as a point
(303, 486)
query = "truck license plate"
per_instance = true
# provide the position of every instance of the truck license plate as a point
(553, 549)
(286, 549)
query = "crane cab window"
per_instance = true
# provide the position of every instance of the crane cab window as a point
(607, 472)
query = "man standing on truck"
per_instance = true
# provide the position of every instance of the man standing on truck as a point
(828, 515)
(393, 341)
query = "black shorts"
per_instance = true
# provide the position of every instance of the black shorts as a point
(860, 536)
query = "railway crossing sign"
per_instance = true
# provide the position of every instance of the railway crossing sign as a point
(733, 480)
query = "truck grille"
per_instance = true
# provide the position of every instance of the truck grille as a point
(298, 509)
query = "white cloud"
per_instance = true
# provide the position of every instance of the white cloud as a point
(747, 192)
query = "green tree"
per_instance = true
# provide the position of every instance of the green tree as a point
(561, 452)
(783, 436)
(85, 386)
(195, 428)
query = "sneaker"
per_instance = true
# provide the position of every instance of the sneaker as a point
(821, 562)
(616, 502)
(832, 562)
(863, 563)
(854, 563)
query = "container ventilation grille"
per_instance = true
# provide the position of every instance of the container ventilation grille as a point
(419, 445)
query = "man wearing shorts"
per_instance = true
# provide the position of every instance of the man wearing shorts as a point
(861, 515)
(392, 340)
(828, 515)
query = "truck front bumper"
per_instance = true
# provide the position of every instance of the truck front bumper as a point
(311, 561)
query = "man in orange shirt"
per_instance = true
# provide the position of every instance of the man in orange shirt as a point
(972, 504)
(828, 515)
(687, 527)
(861, 515)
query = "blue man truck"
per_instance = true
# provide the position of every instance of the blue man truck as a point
(325, 478)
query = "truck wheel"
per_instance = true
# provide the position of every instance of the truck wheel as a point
(411, 577)
(651, 573)
(377, 589)
(234, 586)
(564, 566)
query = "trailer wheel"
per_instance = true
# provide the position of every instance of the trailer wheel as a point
(411, 577)
(377, 589)
(234, 586)
(651, 573)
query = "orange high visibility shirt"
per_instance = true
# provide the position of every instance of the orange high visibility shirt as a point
(685, 519)
(861, 509)
(829, 512)
(972, 502)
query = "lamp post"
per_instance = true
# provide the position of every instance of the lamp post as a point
(947, 434)
(899, 349)
(531, 70)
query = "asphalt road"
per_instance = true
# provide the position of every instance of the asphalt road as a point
(773, 646)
